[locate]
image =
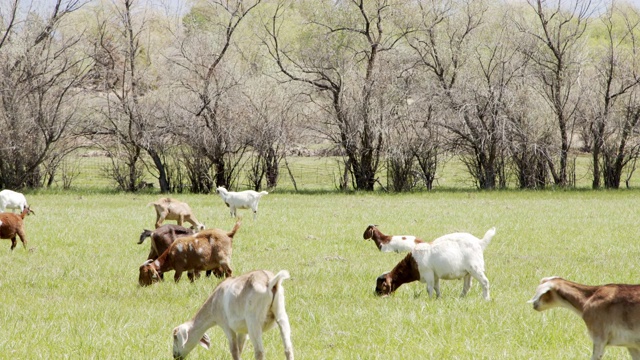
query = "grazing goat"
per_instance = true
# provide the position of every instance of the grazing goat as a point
(12, 200)
(452, 256)
(12, 225)
(172, 209)
(163, 237)
(207, 250)
(248, 304)
(247, 199)
(611, 312)
(389, 243)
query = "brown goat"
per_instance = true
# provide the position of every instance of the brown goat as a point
(172, 209)
(207, 250)
(611, 312)
(162, 237)
(11, 225)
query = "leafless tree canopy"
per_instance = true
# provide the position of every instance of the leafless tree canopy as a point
(220, 93)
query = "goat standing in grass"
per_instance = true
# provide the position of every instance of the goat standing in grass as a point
(206, 250)
(247, 199)
(12, 225)
(248, 304)
(449, 257)
(389, 243)
(172, 209)
(10, 199)
(611, 312)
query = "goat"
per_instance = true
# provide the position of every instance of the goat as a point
(163, 237)
(611, 312)
(207, 250)
(452, 256)
(241, 200)
(10, 199)
(172, 209)
(12, 225)
(248, 304)
(389, 243)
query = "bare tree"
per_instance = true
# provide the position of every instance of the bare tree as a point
(469, 82)
(131, 116)
(344, 78)
(268, 131)
(211, 86)
(555, 52)
(40, 78)
(614, 113)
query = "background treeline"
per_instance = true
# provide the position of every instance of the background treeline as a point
(202, 93)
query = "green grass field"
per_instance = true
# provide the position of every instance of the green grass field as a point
(74, 293)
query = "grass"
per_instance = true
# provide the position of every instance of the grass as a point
(74, 294)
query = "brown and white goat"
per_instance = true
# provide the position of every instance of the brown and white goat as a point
(172, 209)
(611, 312)
(389, 243)
(12, 225)
(449, 257)
(207, 250)
(248, 304)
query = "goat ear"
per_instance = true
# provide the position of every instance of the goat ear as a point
(541, 290)
(205, 342)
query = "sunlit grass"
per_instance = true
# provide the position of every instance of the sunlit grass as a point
(74, 293)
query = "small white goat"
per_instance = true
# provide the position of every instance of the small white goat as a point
(248, 304)
(389, 243)
(449, 257)
(247, 199)
(611, 312)
(10, 199)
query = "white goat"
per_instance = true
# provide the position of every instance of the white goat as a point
(248, 304)
(453, 256)
(10, 199)
(247, 199)
(611, 312)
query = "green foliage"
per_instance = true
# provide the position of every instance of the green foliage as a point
(74, 292)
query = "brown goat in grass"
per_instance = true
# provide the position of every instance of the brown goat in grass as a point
(172, 209)
(207, 250)
(11, 225)
(611, 312)
(163, 237)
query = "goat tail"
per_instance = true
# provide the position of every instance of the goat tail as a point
(235, 228)
(277, 291)
(487, 237)
(274, 284)
(263, 193)
(145, 234)
(277, 301)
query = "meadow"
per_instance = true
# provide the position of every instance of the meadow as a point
(73, 294)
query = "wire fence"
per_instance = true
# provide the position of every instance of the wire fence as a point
(88, 170)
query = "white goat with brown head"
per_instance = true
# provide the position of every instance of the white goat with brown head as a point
(449, 257)
(611, 312)
(389, 243)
